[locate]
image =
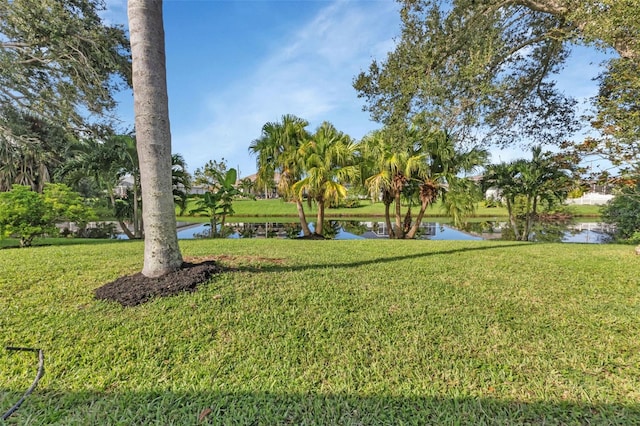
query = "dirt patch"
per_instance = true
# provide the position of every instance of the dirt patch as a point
(312, 236)
(135, 289)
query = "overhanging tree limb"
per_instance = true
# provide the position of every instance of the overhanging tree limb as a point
(58, 60)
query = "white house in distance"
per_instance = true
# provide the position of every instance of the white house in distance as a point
(597, 195)
(265, 192)
(126, 183)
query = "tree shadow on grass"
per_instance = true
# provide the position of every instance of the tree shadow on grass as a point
(133, 290)
(278, 267)
(265, 408)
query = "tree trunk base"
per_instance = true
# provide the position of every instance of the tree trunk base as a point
(313, 236)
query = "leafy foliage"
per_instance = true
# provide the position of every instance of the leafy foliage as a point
(60, 61)
(466, 64)
(32, 149)
(24, 213)
(617, 117)
(623, 211)
(28, 214)
(181, 182)
(217, 201)
(490, 65)
(67, 205)
(211, 174)
(105, 162)
(525, 185)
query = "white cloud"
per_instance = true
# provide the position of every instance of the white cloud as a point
(307, 72)
(310, 76)
(115, 13)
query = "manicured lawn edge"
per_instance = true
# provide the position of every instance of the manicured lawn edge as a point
(331, 332)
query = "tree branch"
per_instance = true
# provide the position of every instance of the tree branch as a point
(553, 7)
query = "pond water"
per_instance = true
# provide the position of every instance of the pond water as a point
(343, 230)
(351, 230)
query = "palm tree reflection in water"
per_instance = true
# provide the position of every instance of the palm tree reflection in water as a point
(353, 229)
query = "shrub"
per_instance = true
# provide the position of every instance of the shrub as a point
(25, 214)
(347, 203)
(622, 211)
(100, 230)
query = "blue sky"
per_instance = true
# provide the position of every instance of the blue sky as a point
(233, 65)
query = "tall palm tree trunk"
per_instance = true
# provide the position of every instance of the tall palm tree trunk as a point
(387, 220)
(512, 220)
(161, 251)
(320, 218)
(416, 225)
(398, 225)
(303, 219)
(528, 222)
(130, 235)
(137, 216)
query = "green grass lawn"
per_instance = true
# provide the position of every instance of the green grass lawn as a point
(277, 207)
(329, 332)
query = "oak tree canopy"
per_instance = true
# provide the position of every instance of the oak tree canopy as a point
(59, 61)
(469, 65)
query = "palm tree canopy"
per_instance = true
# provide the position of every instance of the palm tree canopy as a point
(328, 160)
(277, 151)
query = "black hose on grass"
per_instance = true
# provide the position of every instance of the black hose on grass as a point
(40, 373)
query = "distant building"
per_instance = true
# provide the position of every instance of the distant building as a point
(125, 184)
(598, 194)
(266, 192)
(591, 198)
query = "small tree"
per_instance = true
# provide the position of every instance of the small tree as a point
(622, 211)
(247, 186)
(211, 174)
(217, 202)
(28, 214)
(25, 214)
(328, 158)
(278, 152)
(67, 206)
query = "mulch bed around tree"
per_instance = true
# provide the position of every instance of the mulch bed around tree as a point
(135, 289)
(312, 236)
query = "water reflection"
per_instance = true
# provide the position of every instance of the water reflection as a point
(350, 229)
(550, 231)
(339, 230)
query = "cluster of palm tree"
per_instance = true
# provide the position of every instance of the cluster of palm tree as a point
(408, 169)
(525, 184)
(315, 167)
(418, 167)
(413, 167)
